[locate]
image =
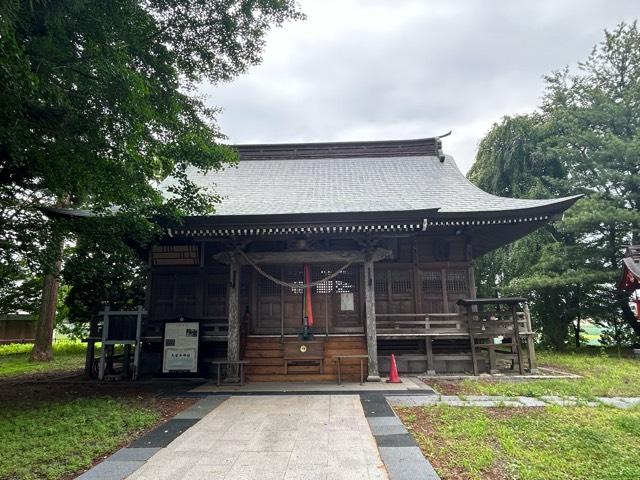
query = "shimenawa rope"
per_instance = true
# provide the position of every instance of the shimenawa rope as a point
(294, 286)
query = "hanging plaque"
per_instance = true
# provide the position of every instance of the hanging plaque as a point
(346, 302)
(180, 347)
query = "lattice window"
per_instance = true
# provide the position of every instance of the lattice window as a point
(185, 288)
(318, 272)
(345, 282)
(457, 281)
(245, 281)
(163, 288)
(381, 283)
(294, 275)
(265, 286)
(217, 289)
(432, 281)
(401, 282)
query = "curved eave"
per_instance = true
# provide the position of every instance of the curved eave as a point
(630, 278)
(57, 212)
(551, 208)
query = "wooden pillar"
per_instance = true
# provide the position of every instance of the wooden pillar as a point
(516, 337)
(233, 336)
(531, 349)
(370, 310)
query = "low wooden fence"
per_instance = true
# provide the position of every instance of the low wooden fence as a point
(492, 325)
(17, 328)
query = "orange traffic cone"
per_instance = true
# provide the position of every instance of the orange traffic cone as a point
(393, 371)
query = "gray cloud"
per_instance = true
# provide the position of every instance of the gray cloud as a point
(374, 70)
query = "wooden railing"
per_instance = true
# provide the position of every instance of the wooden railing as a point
(449, 324)
(491, 325)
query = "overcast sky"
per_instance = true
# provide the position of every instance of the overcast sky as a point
(379, 70)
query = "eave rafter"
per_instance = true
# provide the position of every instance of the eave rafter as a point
(233, 231)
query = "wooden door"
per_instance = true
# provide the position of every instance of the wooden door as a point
(457, 284)
(292, 299)
(215, 298)
(432, 291)
(394, 290)
(343, 302)
(269, 303)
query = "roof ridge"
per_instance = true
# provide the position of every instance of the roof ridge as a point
(320, 150)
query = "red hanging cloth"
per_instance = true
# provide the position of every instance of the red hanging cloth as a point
(307, 295)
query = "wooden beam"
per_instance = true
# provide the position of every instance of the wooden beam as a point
(306, 256)
(233, 342)
(370, 310)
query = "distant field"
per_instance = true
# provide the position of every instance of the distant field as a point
(592, 333)
(14, 359)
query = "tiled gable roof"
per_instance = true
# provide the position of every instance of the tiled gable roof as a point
(350, 177)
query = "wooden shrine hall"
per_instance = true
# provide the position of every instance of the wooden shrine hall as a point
(339, 254)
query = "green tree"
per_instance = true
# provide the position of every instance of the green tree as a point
(98, 106)
(593, 118)
(583, 140)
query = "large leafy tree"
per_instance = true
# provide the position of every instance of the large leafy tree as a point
(98, 105)
(584, 139)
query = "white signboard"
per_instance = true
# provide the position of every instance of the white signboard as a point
(346, 302)
(180, 347)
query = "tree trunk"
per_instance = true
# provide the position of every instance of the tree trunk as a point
(42, 348)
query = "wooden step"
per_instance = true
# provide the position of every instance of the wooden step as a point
(262, 354)
(263, 346)
(304, 377)
(266, 361)
(292, 377)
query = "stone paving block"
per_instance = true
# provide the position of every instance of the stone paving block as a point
(347, 473)
(112, 470)
(207, 472)
(561, 401)
(383, 421)
(133, 454)
(306, 473)
(375, 405)
(492, 398)
(273, 441)
(201, 408)
(413, 400)
(398, 440)
(379, 430)
(164, 434)
(449, 398)
(617, 402)
(407, 463)
(531, 402)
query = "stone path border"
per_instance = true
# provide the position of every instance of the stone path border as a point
(503, 401)
(399, 452)
(129, 459)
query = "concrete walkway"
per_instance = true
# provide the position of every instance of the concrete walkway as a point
(498, 401)
(272, 437)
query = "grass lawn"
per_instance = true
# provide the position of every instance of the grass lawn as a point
(14, 359)
(573, 443)
(54, 430)
(605, 375)
(48, 440)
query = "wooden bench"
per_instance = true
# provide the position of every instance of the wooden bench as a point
(219, 363)
(296, 352)
(362, 359)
